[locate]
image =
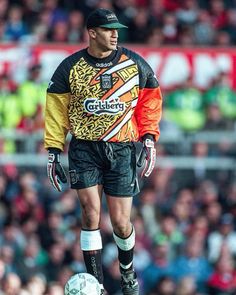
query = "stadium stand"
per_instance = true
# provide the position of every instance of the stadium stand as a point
(185, 214)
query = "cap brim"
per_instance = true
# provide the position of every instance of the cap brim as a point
(114, 26)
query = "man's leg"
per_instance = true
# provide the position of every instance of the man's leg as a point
(124, 236)
(90, 237)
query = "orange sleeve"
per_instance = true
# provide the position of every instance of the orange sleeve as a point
(148, 111)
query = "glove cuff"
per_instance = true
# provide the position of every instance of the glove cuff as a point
(148, 136)
(54, 155)
(54, 151)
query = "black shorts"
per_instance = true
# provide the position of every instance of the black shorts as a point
(110, 164)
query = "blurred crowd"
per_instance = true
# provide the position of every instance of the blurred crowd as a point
(187, 109)
(154, 22)
(185, 220)
(185, 234)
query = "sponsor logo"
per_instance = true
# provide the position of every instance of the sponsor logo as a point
(98, 107)
(111, 17)
(104, 64)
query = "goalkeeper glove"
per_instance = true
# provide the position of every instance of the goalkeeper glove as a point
(147, 156)
(55, 171)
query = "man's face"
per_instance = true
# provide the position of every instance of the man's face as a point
(106, 39)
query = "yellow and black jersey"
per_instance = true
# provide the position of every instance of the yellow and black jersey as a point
(114, 99)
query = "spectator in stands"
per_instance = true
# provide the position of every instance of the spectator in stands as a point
(230, 199)
(223, 279)
(183, 209)
(169, 29)
(8, 257)
(11, 189)
(36, 285)
(16, 28)
(55, 261)
(218, 14)
(157, 10)
(4, 5)
(165, 286)
(76, 27)
(154, 37)
(56, 13)
(172, 5)
(41, 30)
(10, 237)
(59, 32)
(112, 276)
(200, 150)
(158, 267)
(140, 26)
(51, 230)
(222, 39)
(31, 11)
(76, 261)
(8, 101)
(213, 212)
(142, 237)
(206, 193)
(142, 256)
(222, 94)
(64, 275)
(35, 88)
(193, 263)
(184, 107)
(148, 211)
(188, 12)
(224, 234)
(160, 180)
(2, 31)
(170, 234)
(187, 286)
(230, 27)
(11, 284)
(27, 204)
(55, 289)
(28, 264)
(199, 228)
(214, 119)
(204, 32)
(2, 271)
(186, 38)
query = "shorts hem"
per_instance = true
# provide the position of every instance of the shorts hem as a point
(74, 186)
(121, 195)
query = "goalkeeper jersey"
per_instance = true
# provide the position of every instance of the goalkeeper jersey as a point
(116, 99)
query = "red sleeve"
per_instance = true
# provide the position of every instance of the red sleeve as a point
(148, 111)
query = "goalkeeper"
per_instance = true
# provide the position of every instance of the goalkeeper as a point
(107, 97)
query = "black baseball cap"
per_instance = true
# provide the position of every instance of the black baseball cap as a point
(103, 18)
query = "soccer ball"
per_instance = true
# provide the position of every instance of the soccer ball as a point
(82, 284)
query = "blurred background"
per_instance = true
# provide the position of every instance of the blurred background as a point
(185, 213)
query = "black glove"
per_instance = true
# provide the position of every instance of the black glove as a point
(147, 155)
(55, 171)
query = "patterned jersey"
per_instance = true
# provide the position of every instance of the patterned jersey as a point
(114, 99)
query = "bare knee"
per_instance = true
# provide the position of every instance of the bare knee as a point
(90, 218)
(91, 206)
(122, 228)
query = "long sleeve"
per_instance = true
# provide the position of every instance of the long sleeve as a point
(148, 111)
(56, 111)
(56, 120)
